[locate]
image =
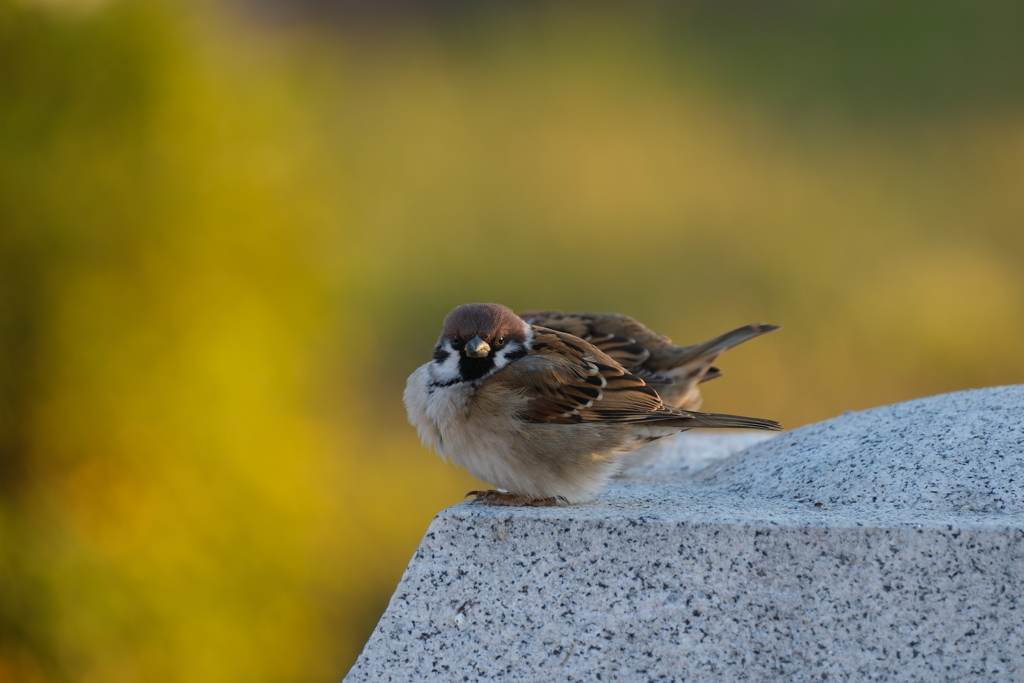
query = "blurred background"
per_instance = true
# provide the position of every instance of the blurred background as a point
(229, 231)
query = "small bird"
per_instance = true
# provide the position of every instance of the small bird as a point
(542, 414)
(673, 371)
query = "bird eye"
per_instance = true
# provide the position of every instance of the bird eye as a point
(456, 341)
(500, 341)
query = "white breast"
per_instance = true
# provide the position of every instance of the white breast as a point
(472, 430)
(441, 415)
(435, 410)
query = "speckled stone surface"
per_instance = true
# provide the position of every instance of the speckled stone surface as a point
(961, 452)
(883, 545)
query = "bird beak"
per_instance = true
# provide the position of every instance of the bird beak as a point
(477, 347)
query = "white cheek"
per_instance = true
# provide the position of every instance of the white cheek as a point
(449, 369)
(501, 357)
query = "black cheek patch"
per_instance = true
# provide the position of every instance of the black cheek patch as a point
(521, 352)
(440, 355)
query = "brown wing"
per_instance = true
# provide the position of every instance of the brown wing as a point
(675, 371)
(568, 380)
(619, 336)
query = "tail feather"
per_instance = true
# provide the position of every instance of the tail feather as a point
(720, 421)
(676, 371)
(705, 353)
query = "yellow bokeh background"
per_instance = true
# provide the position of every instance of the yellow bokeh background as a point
(228, 232)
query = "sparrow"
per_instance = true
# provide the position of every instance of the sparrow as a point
(542, 414)
(674, 371)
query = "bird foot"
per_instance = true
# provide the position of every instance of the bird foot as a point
(496, 497)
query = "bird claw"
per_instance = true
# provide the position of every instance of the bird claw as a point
(496, 497)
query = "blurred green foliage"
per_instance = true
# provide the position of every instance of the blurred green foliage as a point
(226, 241)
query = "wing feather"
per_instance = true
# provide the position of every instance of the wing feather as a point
(622, 338)
(569, 380)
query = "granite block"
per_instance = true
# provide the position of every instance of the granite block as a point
(882, 545)
(961, 452)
